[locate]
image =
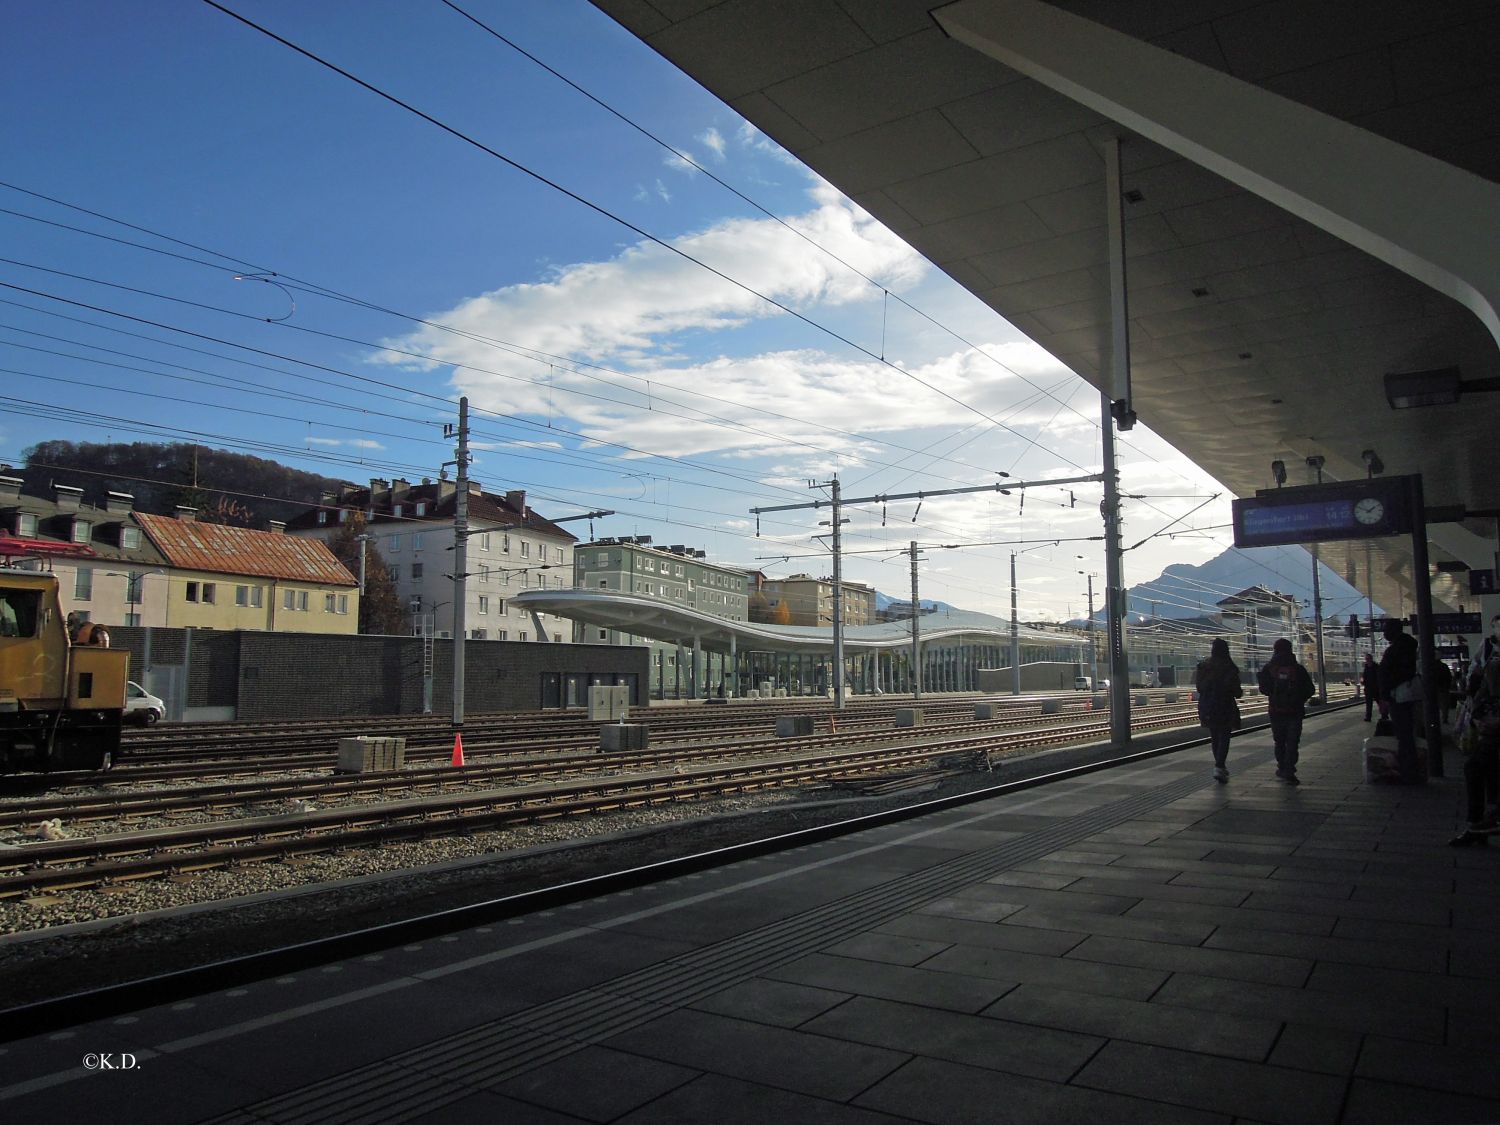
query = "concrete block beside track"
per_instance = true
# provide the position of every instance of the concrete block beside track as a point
(365, 753)
(984, 710)
(793, 726)
(623, 736)
(908, 716)
(1051, 706)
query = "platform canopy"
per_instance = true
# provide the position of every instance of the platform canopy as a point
(1310, 204)
(663, 621)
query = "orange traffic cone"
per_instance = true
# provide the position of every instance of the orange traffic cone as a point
(458, 749)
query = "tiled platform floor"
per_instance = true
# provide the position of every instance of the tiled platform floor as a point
(1135, 945)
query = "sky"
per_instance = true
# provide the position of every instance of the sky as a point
(207, 236)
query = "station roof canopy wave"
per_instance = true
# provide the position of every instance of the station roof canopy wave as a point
(663, 621)
(1309, 193)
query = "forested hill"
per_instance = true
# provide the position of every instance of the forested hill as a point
(162, 476)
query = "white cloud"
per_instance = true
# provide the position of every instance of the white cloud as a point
(352, 443)
(713, 140)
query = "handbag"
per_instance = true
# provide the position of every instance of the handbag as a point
(1408, 691)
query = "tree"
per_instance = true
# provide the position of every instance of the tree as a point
(380, 609)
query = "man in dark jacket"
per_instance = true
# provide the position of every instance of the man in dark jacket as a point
(1287, 688)
(1398, 668)
(1369, 679)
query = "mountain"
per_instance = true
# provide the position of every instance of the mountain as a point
(883, 601)
(1192, 591)
(161, 476)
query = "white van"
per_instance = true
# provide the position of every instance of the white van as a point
(1083, 683)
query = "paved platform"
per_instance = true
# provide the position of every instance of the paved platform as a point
(1136, 945)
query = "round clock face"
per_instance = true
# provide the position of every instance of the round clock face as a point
(1369, 511)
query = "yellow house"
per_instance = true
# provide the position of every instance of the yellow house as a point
(234, 578)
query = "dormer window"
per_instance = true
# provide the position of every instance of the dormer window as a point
(396, 510)
(83, 531)
(421, 508)
(130, 538)
(343, 515)
(26, 525)
(322, 517)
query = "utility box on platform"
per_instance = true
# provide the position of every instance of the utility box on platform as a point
(908, 716)
(984, 710)
(366, 753)
(609, 702)
(793, 726)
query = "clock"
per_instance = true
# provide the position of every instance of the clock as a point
(1369, 510)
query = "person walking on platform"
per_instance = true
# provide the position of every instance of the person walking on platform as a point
(1440, 676)
(1287, 687)
(1217, 682)
(1480, 743)
(1402, 688)
(1369, 678)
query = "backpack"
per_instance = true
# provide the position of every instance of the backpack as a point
(1285, 693)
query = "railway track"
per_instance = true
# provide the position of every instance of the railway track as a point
(499, 802)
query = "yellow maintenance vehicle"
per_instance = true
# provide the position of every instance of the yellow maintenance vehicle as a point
(62, 690)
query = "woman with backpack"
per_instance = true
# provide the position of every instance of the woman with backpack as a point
(1217, 682)
(1287, 687)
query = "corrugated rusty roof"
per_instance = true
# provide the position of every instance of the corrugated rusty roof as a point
(238, 550)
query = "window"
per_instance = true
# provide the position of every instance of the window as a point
(242, 596)
(525, 549)
(502, 635)
(395, 574)
(500, 608)
(393, 543)
(604, 583)
(521, 635)
(82, 531)
(191, 592)
(559, 556)
(484, 541)
(421, 507)
(416, 541)
(601, 558)
(329, 602)
(208, 593)
(322, 517)
(130, 538)
(679, 570)
(604, 634)
(343, 515)
(484, 604)
(557, 582)
(302, 599)
(396, 511)
(132, 619)
(477, 634)
(647, 565)
(416, 572)
(83, 584)
(344, 603)
(557, 638)
(288, 599)
(26, 525)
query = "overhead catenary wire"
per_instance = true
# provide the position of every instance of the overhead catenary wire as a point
(622, 221)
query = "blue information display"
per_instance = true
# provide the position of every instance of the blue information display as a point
(1316, 513)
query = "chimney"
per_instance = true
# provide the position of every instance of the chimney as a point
(186, 514)
(10, 488)
(446, 488)
(516, 498)
(276, 527)
(474, 489)
(377, 490)
(119, 502)
(69, 498)
(400, 489)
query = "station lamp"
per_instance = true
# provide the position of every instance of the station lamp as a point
(1439, 387)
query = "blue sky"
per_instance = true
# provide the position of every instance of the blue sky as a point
(606, 371)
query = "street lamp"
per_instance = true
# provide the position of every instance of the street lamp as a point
(133, 589)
